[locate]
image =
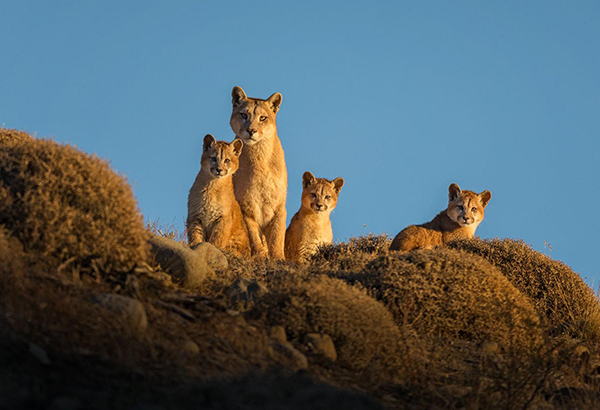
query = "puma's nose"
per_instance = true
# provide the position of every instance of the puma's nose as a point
(251, 131)
(319, 206)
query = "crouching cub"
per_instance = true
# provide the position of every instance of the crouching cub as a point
(465, 211)
(214, 215)
(311, 226)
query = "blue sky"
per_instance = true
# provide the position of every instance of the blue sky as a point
(401, 98)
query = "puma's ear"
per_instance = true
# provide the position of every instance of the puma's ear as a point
(453, 192)
(485, 197)
(275, 101)
(338, 183)
(237, 145)
(237, 95)
(209, 141)
(307, 179)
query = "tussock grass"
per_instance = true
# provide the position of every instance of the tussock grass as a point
(65, 205)
(443, 292)
(451, 294)
(12, 268)
(368, 245)
(362, 329)
(559, 295)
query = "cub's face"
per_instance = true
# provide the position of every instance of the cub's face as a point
(466, 207)
(319, 194)
(253, 119)
(220, 158)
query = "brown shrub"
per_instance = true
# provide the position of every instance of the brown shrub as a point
(357, 246)
(557, 293)
(447, 294)
(63, 204)
(362, 329)
(12, 266)
(11, 253)
(343, 258)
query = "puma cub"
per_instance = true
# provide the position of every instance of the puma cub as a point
(311, 226)
(214, 215)
(465, 211)
(261, 182)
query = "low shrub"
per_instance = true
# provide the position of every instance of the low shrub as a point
(559, 295)
(362, 329)
(450, 294)
(65, 205)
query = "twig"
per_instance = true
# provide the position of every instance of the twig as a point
(186, 314)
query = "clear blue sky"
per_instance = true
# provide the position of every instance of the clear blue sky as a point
(401, 98)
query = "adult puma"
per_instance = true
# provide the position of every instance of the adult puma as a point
(261, 181)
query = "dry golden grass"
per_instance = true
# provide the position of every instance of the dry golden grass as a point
(442, 292)
(449, 306)
(11, 254)
(65, 205)
(12, 267)
(361, 328)
(560, 296)
(451, 294)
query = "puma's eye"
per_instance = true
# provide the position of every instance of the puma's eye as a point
(213, 159)
(263, 118)
(327, 196)
(473, 209)
(244, 115)
(313, 195)
(227, 160)
(461, 208)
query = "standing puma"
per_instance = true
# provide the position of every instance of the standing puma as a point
(311, 226)
(261, 182)
(464, 213)
(214, 215)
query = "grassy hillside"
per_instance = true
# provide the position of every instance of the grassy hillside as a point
(89, 321)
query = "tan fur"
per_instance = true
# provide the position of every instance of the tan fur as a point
(311, 226)
(261, 182)
(459, 221)
(214, 214)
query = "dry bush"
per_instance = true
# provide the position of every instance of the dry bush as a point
(337, 259)
(356, 246)
(63, 204)
(450, 294)
(362, 329)
(11, 254)
(558, 294)
(450, 308)
(12, 267)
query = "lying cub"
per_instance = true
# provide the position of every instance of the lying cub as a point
(459, 221)
(311, 226)
(214, 215)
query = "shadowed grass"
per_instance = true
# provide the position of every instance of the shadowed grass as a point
(563, 299)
